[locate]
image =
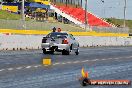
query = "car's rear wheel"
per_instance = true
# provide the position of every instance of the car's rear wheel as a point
(77, 52)
(65, 52)
(51, 52)
(44, 51)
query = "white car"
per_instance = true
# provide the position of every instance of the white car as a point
(60, 42)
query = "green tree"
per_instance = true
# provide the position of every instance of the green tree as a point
(8, 0)
(30, 0)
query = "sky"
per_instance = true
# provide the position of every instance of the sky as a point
(110, 8)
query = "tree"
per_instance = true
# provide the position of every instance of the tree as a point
(8, 0)
(30, 0)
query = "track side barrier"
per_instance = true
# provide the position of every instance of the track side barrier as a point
(27, 42)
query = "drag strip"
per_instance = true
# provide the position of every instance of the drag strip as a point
(63, 63)
(15, 59)
(24, 69)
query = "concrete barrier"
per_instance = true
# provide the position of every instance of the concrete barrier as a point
(20, 42)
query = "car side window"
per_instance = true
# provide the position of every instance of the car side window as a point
(71, 36)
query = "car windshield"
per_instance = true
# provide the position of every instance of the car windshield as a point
(57, 35)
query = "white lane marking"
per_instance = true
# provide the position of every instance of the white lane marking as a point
(110, 58)
(82, 61)
(10, 69)
(53, 64)
(129, 57)
(28, 67)
(69, 62)
(95, 60)
(116, 58)
(19, 68)
(103, 59)
(36, 66)
(2, 70)
(63, 63)
(76, 61)
(85, 61)
(56, 63)
(46, 65)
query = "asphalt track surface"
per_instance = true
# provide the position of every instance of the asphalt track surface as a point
(24, 69)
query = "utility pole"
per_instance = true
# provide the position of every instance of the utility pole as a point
(86, 18)
(23, 14)
(125, 13)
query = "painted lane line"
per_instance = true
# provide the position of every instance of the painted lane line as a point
(2, 70)
(120, 57)
(76, 61)
(85, 61)
(10, 69)
(103, 59)
(53, 64)
(116, 58)
(95, 60)
(56, 63)
(28, 67)
(69, 62)
(110, 58)
(46, 65)
(63, 63)
(129, 57)
(19, 68)
(37, 66)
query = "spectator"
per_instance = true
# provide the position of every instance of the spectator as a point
(54, 29)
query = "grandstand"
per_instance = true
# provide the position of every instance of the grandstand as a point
(72, 10)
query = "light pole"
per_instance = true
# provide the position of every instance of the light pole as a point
(81, 3)
(86, 21)
(66, 2)
(103, 11)
(23, 15)
(125, 13)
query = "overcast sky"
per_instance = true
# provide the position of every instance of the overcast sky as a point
(110, 8)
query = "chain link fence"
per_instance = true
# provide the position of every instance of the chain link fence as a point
(110, 29)
(48, 25)
(105, 29)
(37, 25)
